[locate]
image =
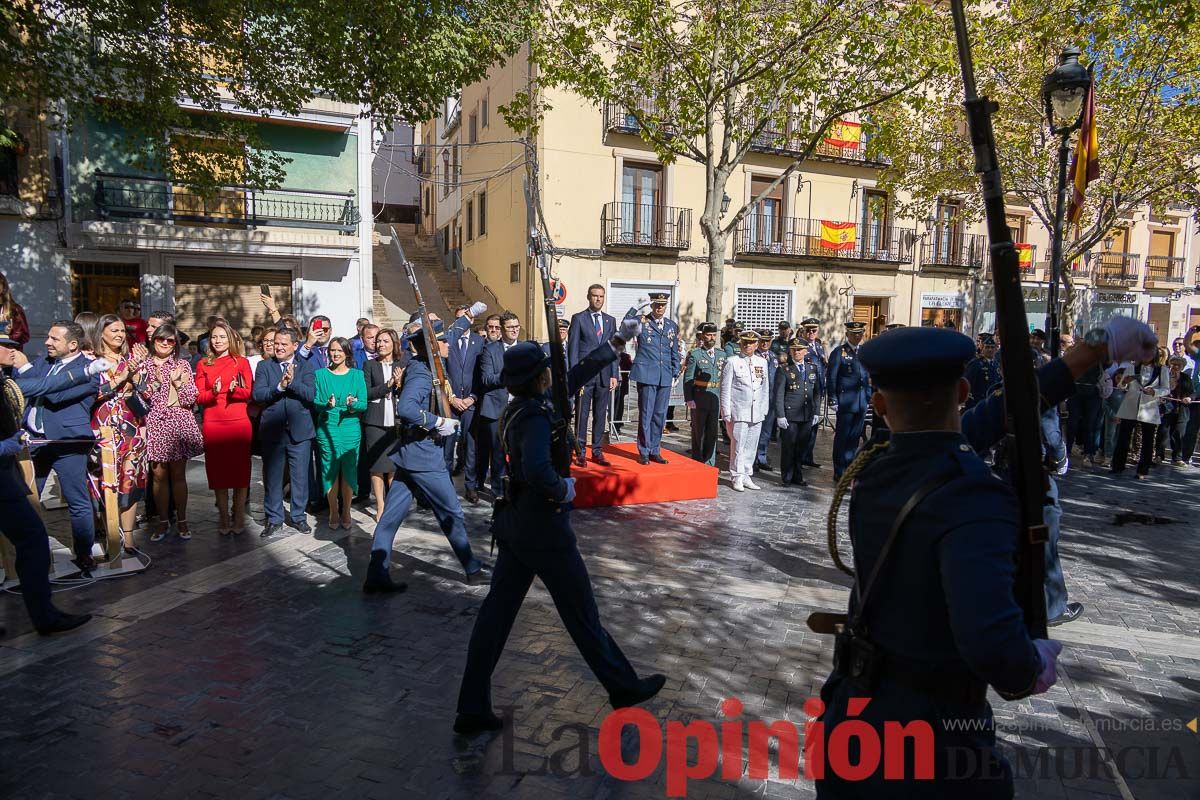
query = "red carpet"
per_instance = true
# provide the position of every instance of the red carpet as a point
(627, 482)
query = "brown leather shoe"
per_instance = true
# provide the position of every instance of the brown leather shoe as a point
(601, 460)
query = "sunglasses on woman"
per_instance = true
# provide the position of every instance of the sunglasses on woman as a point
(168, 339)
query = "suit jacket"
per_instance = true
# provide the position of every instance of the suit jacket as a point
(287, 412)
(848, 380)
(582, 339)
(489, 392)
(379, 388)
(460, 366)
(67, 412)
(742, 399)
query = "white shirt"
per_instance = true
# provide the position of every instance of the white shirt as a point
(35, 404)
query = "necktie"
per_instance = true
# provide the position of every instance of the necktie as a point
(599, 326)
(37, 414)
(462, 345)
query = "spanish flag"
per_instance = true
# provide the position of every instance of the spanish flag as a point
(1024, 256)
(838, 235)
(843, 134)
(1085, 165)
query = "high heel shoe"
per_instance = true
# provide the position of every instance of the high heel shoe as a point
(347, 523)
(163, 527)
(184, 532)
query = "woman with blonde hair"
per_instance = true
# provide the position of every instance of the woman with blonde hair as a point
(118, 420)
(224, 383)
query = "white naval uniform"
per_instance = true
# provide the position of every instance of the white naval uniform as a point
(745, 393)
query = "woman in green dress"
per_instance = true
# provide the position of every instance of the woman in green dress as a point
(339, 402)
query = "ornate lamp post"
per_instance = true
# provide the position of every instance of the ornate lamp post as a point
(1064, 91)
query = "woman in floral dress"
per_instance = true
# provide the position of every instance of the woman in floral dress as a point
(172, 435)
(126, 437)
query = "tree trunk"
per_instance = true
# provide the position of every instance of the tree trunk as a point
(716, 268)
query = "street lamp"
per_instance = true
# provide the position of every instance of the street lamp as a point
(724, 203)
(1064, 91)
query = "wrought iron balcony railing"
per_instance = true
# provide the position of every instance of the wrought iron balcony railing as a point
(134, 197)
(619, 118)
(1115, 269)
(947, 250)
(845, 147)
(645, 226)
(1164, 269)
(792, 237)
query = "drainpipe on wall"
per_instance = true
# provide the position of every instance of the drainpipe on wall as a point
(366, 269)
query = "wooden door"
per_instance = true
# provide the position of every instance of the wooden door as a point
(869, 311)
(100, 287)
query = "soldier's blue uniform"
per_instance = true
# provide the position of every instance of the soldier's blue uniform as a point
(534, 536)
(850, 386)
(941, 614)
(816, 352)
(420, 462)
(982, 373)
(655, 368)
(794, 394)
(702, 386)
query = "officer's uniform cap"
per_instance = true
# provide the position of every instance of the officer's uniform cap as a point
(798, 344)
(6, 339)
(657, 298)
(855, 326)
(523, 362)
(564, 324)
(748, 337)
(987, 338)
(891, 326)
(916, 358)
(811, 322)
(417, 337)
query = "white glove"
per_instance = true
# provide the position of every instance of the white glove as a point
(447, 427)
(97, 366)
(782, 423)
(629, 329)
(1048, 649)
(571, 491)
(691, 404)
(477, 308)
(1130, 339)
(815, 418)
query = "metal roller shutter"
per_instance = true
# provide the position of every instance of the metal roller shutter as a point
(763, 308)
(229, 293)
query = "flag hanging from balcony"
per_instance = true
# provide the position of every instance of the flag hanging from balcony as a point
(838, 235)
(1085, 165)
(1024, 256)
(843, 134)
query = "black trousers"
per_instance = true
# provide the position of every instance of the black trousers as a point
(1124, 437)
(592, 401)
(489, 454)
(793, 450)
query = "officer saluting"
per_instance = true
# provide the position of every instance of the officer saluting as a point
(655, 368)
(851, 389)
(702, 393)
(932, 618)
(533, 530)
(984, 371)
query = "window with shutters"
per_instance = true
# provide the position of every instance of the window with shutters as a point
(763, 308)
(470, 220)
(482, 213)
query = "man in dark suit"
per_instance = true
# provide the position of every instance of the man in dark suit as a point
(66, 415)
(465, 348)
(589, 329)
(18, 520)
(492, 398)
(283, 386)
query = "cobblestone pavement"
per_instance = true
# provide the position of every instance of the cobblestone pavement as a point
(245, 669)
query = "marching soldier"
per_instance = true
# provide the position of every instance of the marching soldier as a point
(745, 392)
(655, 368)
(702, 393)
(850, 386)
(794, 395)
(984, 371)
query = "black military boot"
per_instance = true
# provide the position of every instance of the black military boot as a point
(378, 580)
(642, 691)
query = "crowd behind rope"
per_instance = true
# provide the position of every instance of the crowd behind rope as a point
(321, 409)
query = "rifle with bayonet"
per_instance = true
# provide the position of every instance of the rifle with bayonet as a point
(562, 442)
(1021, 397)
(441, 384)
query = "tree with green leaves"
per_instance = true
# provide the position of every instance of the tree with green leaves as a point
(1147, 77)
(709, 81)
(132, 62)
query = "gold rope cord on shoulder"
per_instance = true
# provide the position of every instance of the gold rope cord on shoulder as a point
(843, 485)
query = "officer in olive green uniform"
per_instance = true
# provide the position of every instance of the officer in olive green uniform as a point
(702, 393)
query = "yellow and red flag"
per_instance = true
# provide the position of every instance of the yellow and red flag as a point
(843, 134)
(1085, 165)
(838, 235)
(1024, 256)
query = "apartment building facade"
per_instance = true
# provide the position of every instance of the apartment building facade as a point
(121, 232)
(826, 243)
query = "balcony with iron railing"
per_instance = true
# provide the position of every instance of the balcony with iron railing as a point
(1115, 269)
(1027, 264)
(793, 238)
(1164, 271)
(946, 252)
(157, 199)
(851, 148)
(619, 118)
(638, 227)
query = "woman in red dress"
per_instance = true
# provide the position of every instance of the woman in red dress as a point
(223, 384)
